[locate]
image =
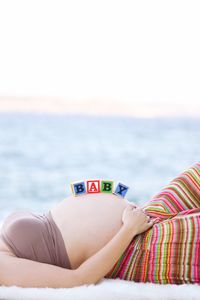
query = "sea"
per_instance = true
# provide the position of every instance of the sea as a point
(41, 154)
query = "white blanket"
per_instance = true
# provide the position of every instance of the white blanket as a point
(106, 289)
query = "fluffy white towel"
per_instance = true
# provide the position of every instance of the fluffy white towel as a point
(106, 289)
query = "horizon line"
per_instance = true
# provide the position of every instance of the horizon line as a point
(103, 106)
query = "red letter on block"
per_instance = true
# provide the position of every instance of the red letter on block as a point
(93, 186)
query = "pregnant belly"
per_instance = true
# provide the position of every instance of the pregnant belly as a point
(87, 223)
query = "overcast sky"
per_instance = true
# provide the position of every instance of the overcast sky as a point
(122, 50)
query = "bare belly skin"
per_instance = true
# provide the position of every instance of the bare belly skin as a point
(4, 247)
(87, 223)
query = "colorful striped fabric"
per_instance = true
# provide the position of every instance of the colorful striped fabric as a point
(169, 252)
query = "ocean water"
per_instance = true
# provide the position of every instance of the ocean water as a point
(40, 154)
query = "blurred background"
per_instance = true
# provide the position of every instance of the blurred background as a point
(96, 89)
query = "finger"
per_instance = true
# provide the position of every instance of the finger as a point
(131, 204)
(155, 219)
(134, 205)
(150, 223)
(144, 212)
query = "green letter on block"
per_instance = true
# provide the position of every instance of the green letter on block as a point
(107, 186)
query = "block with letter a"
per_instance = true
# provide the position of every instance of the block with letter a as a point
(93, 186)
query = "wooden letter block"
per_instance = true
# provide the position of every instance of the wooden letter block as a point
(93, 186)
(78, 188)
(107, 186)
(121, 190)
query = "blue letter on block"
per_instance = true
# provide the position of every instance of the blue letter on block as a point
(78, 188)
(121, 190)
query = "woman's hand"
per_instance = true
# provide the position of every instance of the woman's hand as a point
(135, 219)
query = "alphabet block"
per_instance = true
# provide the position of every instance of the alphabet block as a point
(93, 186)
(78, 188)
(107, 186)
(121, 190)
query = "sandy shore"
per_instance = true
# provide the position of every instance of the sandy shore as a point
(95, 107)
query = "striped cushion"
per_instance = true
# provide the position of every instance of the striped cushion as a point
(169, 252)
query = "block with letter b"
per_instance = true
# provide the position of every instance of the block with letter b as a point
(107, 186)
(121, 190)
(78, 188)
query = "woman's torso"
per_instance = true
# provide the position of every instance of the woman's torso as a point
(86, 223)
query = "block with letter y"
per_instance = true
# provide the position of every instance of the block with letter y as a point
(121, 190)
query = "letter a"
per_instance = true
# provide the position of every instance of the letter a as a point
(93, 186)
